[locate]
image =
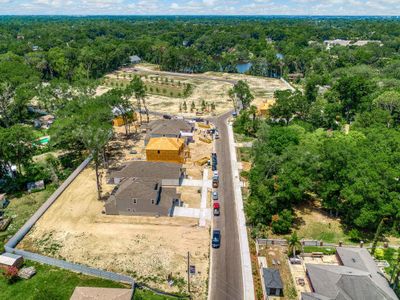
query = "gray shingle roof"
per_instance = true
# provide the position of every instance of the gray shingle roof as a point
(358, 279)
(169, 127)
(148, 170)
(138, 196)
(272, 278)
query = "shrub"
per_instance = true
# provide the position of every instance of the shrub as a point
(11, 274)
(282, 222)
(354, 235)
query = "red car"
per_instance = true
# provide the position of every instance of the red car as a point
(216, 209)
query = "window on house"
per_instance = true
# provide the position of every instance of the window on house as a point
(158, 151)
(134, 201)
(152, 201)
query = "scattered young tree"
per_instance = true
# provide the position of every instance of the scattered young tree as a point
(294, 243)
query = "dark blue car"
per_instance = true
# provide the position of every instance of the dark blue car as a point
(216, 239)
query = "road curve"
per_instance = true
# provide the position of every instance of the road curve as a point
(226, 279)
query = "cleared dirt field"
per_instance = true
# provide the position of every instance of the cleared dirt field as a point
(147, 248)
(210, 87)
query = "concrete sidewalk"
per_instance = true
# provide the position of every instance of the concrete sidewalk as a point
(195, 213)
(196, 182)
(248, 285)
(204, 196)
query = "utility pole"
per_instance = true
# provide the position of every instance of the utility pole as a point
(188, 272)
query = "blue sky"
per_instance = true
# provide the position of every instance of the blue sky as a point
(201, 7)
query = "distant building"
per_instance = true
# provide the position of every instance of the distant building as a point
(91, 293)
(134, 59)
(357, 278)
(172, 128)
(165, 149)
(346, 43)
(272, 282)
(11, 260)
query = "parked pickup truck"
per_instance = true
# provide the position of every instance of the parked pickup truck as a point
(215, 181)
(216, 209)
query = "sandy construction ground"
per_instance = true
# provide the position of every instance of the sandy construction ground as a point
(147, 248)
(210, 87)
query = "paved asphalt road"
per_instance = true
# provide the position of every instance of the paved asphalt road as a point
(226, 270)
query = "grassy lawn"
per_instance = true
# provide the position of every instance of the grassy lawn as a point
(244, 154)
(21, 209)
(324, 250)
(51, 283)
(241, 138)
(141, 294)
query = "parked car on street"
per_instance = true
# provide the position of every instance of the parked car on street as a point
(216, 135)
(214, 167)
(216, 239)
(215, 181)
(216, 209)
(215, 195)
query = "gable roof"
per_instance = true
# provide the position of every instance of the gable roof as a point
(169, 127)
(143, 197)
(148, 170)
(357, 279)
(165, 144)
(272, 278)
(91, 293)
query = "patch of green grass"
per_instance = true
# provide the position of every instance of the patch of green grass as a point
(141, 294)
(51, 283)
(324, 250)
(21, 208)
(324, 232)
(241, 138)
(245, 154)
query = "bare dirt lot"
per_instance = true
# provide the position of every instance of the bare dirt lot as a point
(147, 248)
(210, 87)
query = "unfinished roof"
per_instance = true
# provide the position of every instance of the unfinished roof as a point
(272, 278)
(165, 144)
(169, 127)
(90, 293)
(149, 170)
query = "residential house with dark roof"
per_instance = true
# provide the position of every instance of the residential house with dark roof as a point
(272, 282)
(145, 188)
(148, 170)
(136, 196)
(357, 278)
(171, 128)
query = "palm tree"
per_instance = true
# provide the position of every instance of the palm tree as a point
(294, 243)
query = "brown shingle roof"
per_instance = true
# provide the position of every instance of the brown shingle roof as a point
(91, 293)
